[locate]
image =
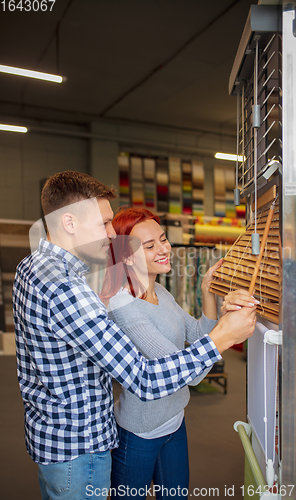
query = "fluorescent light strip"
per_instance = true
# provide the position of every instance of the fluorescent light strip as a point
(30, 74)
(228, 156)
(13, 128)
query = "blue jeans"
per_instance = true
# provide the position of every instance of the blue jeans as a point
(138, 461)
(87, 476)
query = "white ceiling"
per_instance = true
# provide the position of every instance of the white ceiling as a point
(164, 62)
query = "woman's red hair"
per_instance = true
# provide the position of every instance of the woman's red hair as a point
(117, 276)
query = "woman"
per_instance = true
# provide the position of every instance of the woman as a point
(152, 435)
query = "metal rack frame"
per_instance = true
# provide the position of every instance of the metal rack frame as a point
(264, 73)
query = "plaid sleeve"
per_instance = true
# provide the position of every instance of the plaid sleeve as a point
(78, 317)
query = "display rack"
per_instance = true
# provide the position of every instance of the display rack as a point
(14, 246)
(263, 79)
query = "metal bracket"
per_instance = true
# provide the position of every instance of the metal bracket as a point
(273, 337)
(247, 427)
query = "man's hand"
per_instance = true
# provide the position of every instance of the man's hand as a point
(237, 299)
(233, 328)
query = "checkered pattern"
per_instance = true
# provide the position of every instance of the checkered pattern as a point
(67, 352)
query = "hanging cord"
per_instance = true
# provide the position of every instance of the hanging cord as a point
(244, 252)
(265, 401)
(255, 134)
(237, 139)
(262, 247)
(261, 270)
(241, 258)
(263, 261)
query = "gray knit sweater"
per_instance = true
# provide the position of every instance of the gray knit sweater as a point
(156, 330)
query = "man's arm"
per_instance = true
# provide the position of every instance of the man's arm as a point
(79, 318)
(233, 328)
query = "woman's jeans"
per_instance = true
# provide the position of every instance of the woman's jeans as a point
(87, 476)
(138, 461)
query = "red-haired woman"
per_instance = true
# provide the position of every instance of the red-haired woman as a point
(152, 435)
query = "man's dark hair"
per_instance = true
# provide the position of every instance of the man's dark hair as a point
(69, 187)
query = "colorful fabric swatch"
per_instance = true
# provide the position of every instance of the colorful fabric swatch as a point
(137, 185)
(124, 178)
(219, 190)
(198, 176)
(187, 187)
(149, 183)
(162, 184)
(175, 194)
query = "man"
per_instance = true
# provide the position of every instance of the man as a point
(68, 349)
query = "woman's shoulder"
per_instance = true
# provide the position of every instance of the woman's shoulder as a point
(120, 299)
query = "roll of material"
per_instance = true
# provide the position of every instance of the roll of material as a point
(251, 457)
(216, 234)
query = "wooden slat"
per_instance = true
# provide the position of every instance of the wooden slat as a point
(270, 256)
(248, 267)
(268, 265)
(264, 284)
(265, 198)
(259, 295)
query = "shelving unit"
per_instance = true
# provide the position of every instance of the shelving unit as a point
(14, 246)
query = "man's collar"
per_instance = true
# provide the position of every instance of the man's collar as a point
(71, 261)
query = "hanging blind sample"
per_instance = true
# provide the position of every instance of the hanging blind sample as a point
(175, 195)
(124, 181)
(224, 184)
(137, 185)
(239, 264)
(219, 189)
(197, 188)
(162, 184)
(187, 187)
(229, 192)
(149, 183)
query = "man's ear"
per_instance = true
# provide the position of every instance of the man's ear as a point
(68, 221)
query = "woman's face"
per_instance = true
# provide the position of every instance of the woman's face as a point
(155, 246)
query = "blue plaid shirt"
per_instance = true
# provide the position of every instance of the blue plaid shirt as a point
(67, 352)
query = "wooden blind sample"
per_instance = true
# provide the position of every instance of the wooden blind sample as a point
(239, 265)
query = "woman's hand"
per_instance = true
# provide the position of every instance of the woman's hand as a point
(208, 277)
(236, 300)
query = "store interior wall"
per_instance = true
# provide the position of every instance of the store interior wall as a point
(30, 158)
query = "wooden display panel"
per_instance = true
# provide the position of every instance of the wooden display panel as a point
(239, 264)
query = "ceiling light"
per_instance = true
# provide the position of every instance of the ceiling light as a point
(30, 74)
(13, 128)
(228, 156)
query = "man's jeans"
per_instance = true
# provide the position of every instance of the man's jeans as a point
(85, 477)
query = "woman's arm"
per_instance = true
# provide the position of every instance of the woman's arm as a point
(136, 325)
(146, 336)
(208, 298)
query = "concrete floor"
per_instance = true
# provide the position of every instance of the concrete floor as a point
(216, 454)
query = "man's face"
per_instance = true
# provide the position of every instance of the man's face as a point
(93, 229)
